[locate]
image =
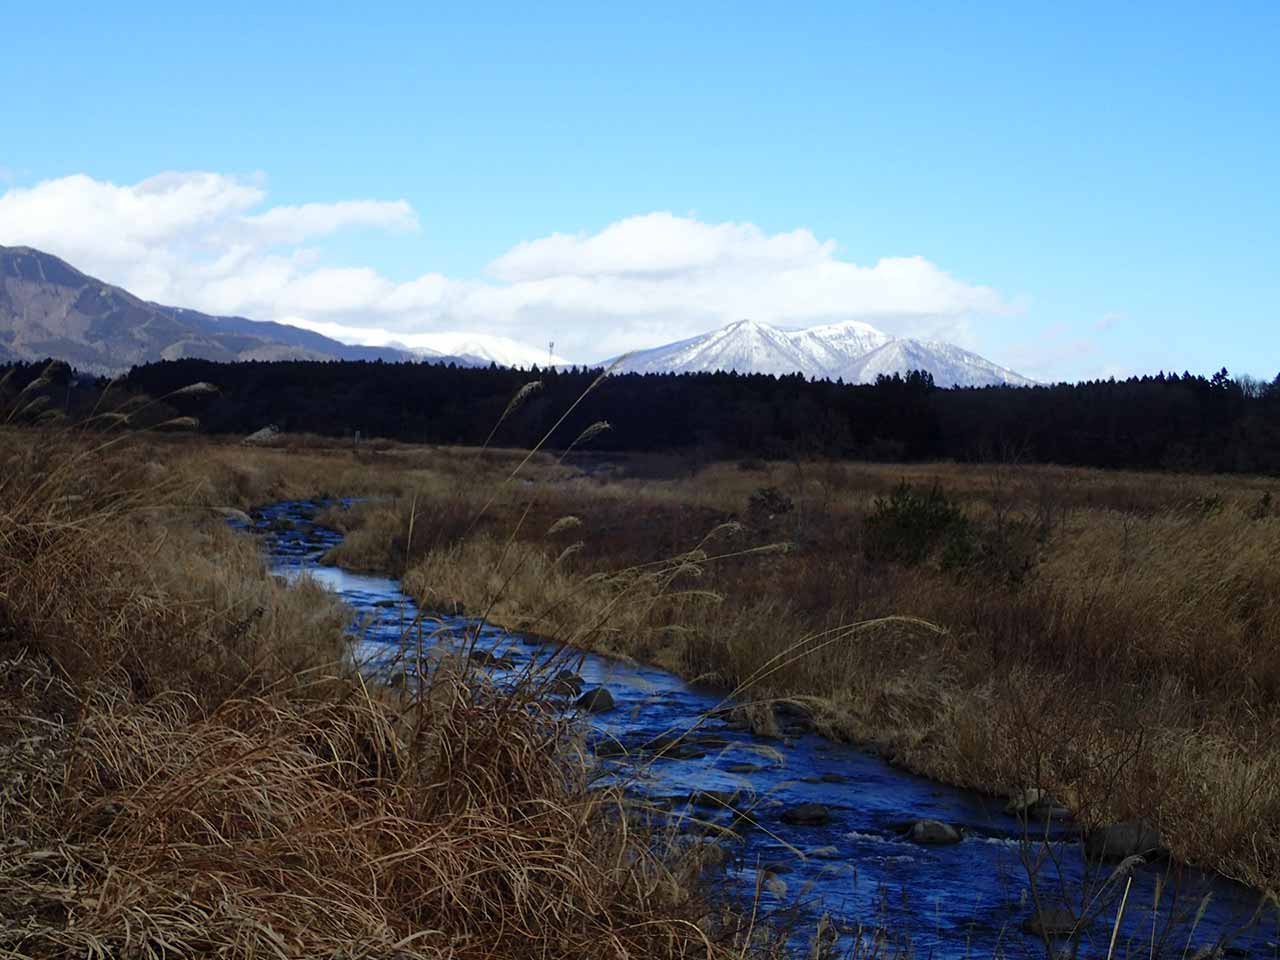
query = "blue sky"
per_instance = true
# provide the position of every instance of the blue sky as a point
(1099, 186)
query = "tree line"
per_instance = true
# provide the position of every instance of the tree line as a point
(1165, 421)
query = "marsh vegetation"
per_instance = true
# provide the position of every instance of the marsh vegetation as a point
(1111, 637)
(192, 766)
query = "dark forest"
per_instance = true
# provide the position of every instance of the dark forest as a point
(1166, 421)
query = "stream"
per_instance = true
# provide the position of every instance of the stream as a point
(856, 865)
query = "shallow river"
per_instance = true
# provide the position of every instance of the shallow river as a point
(968, 899)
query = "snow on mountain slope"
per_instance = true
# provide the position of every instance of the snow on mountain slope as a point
(853, 351)
(950, 365)
(835, 346)
(743, 345)
(482, 348)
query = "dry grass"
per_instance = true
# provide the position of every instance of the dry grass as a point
(1132, 667)
(190, 769)
(1120, 642)
(326, 827)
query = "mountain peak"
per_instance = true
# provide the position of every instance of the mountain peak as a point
(844, 328)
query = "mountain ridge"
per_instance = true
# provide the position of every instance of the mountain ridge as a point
(852, 351)
(48, 308)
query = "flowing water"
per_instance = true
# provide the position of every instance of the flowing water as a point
(857, 867)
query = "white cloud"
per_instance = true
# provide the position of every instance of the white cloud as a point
(657, 243)
(211, 242)
(292, 225)
(188, 238)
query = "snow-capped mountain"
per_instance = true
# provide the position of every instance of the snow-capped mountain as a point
(853, 351)
(479, 348)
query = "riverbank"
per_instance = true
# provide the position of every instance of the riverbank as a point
(1111, 638)
(1025, 683)
(191, 768)
(825, 834)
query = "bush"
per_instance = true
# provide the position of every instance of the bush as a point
(907, 526)
(768, 502)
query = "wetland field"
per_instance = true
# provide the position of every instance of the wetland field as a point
(1074, 666)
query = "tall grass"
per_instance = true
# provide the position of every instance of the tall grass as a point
(190, 768)
(1112, 637)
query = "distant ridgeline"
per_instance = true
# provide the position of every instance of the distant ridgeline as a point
(1165, 421)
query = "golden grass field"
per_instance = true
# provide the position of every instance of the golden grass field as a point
(187, 761)
(1114, 637)
(189, 767)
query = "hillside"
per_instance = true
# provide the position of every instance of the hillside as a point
(48, 308)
